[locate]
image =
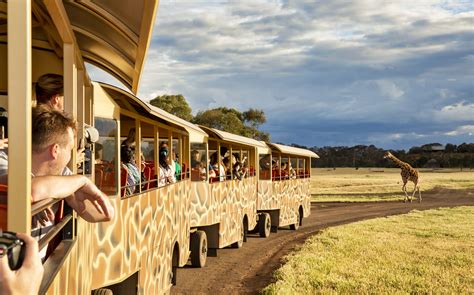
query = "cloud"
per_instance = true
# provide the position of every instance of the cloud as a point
(462, 130)
(461, 111)
(402, 64)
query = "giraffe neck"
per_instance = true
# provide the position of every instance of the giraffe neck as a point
(398, 162)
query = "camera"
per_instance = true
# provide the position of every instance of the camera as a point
(13, 247)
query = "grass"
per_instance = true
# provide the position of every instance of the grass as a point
(420, 252)
(365, 184)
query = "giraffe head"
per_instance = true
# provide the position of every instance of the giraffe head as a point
(387, 155)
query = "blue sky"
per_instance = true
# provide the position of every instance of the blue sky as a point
(390, 73)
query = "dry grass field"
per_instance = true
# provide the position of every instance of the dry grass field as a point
(379, 184)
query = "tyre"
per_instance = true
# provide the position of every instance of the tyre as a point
(297, 224)
(198, 248)
(264, 225)
(174, 268)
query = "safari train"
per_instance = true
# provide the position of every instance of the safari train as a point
(158, 226)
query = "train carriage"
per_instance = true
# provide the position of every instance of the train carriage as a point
(284, 185)
(223, 205)
(138, 250)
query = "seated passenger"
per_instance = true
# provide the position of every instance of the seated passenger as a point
(217, 166)
(195, 159)
(167, 175)
(177, 167)
(127, 155)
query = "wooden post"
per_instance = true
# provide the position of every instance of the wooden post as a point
(19, 120)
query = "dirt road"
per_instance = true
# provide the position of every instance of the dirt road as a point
(249, 269)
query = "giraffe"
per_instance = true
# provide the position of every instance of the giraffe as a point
(408, 174)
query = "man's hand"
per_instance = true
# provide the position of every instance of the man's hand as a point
(90, 192)
(45, 216)
(27, 279)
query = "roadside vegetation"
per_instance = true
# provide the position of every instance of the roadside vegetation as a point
(380, 184)
(420, 252)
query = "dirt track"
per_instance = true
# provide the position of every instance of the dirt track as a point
(249, 269)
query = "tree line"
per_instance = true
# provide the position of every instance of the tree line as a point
(425, 156)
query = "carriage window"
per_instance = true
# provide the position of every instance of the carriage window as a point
(198, 162)
(301, 169)
(265, 167)
(293, 168)
(147, 157)
(105, 150)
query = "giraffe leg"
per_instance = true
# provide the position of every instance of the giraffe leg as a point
(419, 194)
(404, 188)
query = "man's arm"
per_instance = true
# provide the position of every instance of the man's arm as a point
(55, 187)
(80, 193)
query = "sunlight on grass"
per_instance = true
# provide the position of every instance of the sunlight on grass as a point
(420, 252)
(365, 184)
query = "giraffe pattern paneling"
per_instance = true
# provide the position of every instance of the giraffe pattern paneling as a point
(236, 198)
(204, 206)
(141, 238)
(292, 193)
(266, 199)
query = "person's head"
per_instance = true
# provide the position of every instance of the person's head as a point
(195, 155)
(127, 154)
(52, 138)
(164, 156)
(50, 91)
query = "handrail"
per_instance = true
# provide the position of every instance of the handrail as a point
(54, 231)
(39, 206)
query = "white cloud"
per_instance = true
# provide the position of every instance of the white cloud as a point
(462, 130)
(460, 111)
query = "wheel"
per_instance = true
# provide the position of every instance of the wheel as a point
(102, 291)
(198, 248)
(264, 225)
(174, 268)
(297, 224)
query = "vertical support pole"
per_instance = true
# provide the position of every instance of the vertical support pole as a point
(70, 92)
(138, 148)
(19, 121)
(80, 109)
(156, 139)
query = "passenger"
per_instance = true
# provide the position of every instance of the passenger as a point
(52, 142)
(292, 172)
(195, 159)
(27, 279)
(130, 140)
(177, 166)
(127, 156)
(284, 170)
(227, 166)
(217, 166)
(166, 173)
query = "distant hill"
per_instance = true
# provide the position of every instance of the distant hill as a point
(433, 155)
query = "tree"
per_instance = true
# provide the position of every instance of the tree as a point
(174, 104)
(233, 121)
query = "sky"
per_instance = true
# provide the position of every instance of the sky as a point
(394, 74)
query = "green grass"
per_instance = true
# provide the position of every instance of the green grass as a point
(365, 184)
(420, 252)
